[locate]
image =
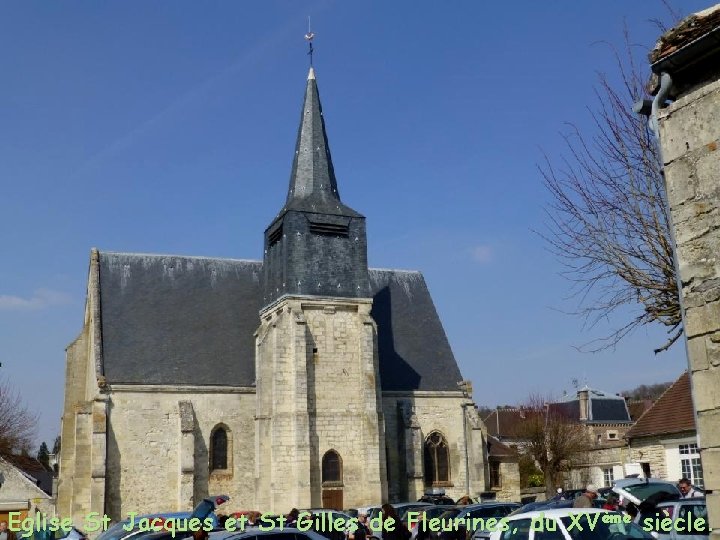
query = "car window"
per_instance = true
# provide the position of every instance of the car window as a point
(450, 514)
(690, 513)
(549, 531)
(518, 529)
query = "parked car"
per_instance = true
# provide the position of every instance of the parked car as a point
(205, 509)
(322, 519)
(257, 534)
(400, 508)
(683, 509)
(560, 524)
(553, 504)
(426, 512)
(471, 512)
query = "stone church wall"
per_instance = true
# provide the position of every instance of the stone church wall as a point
(147, 456)
(317, 373)
(434, 411)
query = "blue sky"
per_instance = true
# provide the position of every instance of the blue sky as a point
(169, 127)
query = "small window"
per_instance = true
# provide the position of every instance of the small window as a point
(495, 474)
(331, 468)
(612, 435)
(608, 476)
(218, 449)
(437, 459)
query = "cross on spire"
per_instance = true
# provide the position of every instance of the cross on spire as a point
(309, 37)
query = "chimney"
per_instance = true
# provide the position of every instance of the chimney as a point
(584, 401)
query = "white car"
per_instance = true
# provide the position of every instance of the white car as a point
(569, 524)
(255, 533)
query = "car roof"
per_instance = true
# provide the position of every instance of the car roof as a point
(622, 482)
(559, 512)
(258, 532)
(693, 500)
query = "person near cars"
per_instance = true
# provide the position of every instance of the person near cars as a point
(611, 503)
(5, 532)
(631, 510)
(391, 520)
(362, 531)
(292, 518)
(686, 489)
(586, 499)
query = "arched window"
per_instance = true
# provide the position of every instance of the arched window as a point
(437, 459)
(218, 449)
(331, 468)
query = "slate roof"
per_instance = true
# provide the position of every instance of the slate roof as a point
(313, 186)
(603, 408)
(673, 412)
(168, 319)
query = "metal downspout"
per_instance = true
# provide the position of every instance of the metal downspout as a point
(660, 98)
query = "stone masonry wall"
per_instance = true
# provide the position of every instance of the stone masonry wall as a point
(145, 459)
(316, 364)
(435, 411)
(690, 142)
(649, 450)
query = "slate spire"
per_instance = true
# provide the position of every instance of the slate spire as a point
(313, 186)
(316, 245)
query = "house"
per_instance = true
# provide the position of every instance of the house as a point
(663, 442)
(24, 487)
(606, 418)
(504, 470)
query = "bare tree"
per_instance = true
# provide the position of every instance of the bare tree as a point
(17, 424)
(554, 440)
(608, 219)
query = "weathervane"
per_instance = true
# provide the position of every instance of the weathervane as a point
(309, 37)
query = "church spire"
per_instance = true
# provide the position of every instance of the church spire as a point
(313, 186)
(316, 245)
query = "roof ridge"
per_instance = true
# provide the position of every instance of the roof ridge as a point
(197, 257)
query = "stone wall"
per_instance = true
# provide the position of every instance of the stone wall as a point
(689, 131)
(649, 450)
(509, 482)
(317, 384)
(434, 411)
(158, 436)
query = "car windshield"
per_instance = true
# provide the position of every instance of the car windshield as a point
(601, 526)
(450, 514)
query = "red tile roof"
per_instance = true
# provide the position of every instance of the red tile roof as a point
(504, 423)
(673, 412)
(498, 449)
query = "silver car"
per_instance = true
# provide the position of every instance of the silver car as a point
(684, 525)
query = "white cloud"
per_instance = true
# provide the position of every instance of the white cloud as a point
(41, 298)
(482, 254)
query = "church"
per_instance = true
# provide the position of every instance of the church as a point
(303, 380)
